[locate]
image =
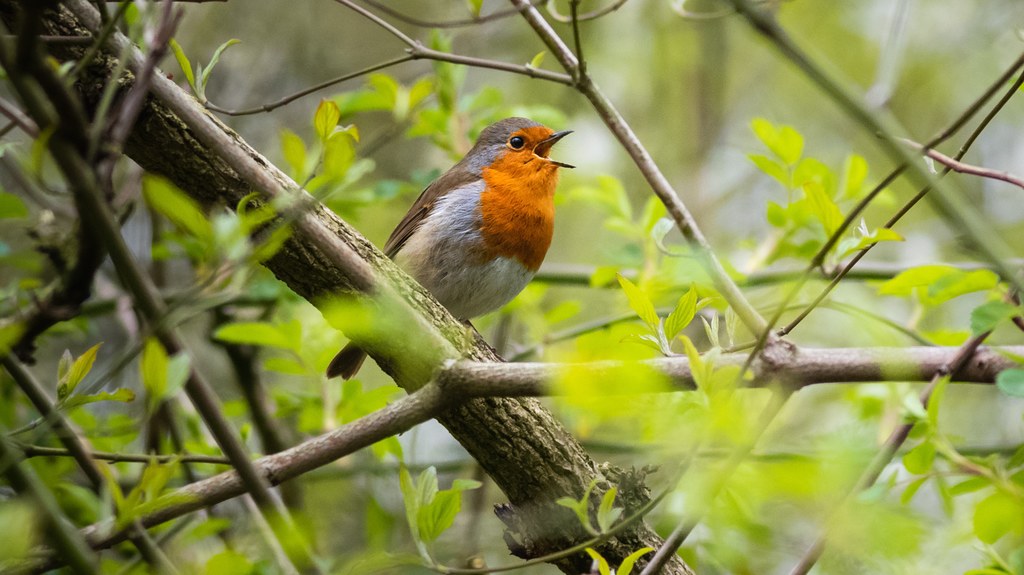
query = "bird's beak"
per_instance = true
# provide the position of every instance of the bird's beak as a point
(544, 146)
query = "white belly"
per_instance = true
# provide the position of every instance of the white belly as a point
(443, 255)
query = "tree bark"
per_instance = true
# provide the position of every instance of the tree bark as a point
(521, 446)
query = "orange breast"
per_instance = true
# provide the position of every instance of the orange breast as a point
(518, 209)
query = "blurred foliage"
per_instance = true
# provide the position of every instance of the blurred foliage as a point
(767, 164)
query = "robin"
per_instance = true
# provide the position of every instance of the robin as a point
(476, 235)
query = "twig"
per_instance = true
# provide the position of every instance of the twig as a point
(292, 97)
(549, 5)
(42, 451)
(18, 118)
(458, 23)
(420, 52)
(962, 168)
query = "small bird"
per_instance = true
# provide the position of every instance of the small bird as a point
(476, 235)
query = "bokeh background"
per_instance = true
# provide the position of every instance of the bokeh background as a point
(690, 88)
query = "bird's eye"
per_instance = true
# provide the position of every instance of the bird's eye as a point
(517, 142)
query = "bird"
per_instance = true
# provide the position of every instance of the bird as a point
(477, 234)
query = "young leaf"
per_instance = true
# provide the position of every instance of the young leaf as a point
(1011, 382)
(639, 301)
(682, 315)
(602, 563)
(919, 459)
(771, 167)
(256, 333)
(216, 56)
(123, 395)
(412, 502)
(173, 204)
(626, 567)
(183, 62)
(606, 514)
(11, 206)
(294, 151)
(994, 516)
(825, 210)
(990, 314)
(537, 60)
(77, 372)
(475, 6)
(154, 370)
(326, 119)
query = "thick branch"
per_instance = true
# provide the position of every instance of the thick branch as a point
(801, 367)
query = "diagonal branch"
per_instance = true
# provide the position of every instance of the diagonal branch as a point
(684, 220)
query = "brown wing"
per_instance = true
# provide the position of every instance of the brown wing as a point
(454, 178)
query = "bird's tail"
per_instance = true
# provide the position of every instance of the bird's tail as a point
(347, 362)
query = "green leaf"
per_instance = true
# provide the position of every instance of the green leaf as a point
(847, 247)
(183, 62)
(326, 119)
(919, 459)
(784, 141)
(1011, 382)
(412, 502)
(154, 370)
(256, 333)
(639, 301)
(912, 489)
(682, 315)
(123, 395)
(960, 283)
(294, 151)
(995, 516)
(173, 204)
(854, 173)
(776, 215)
(602, 563)
(537, 60)
(215, 58)
(824, 209)
(435, 518)
(606, 514)
(771, 167)
(626, 567)
(905, 282)
(11, 206)
(475, 6)
(76, 372)
(988, 315)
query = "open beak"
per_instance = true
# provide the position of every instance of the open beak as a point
(544, 146)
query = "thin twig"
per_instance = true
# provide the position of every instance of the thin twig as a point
(18, 118)
(549, 5)
(962, 168)
(420, 52)
(455, 23)
(43, 451)
(292, 97)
